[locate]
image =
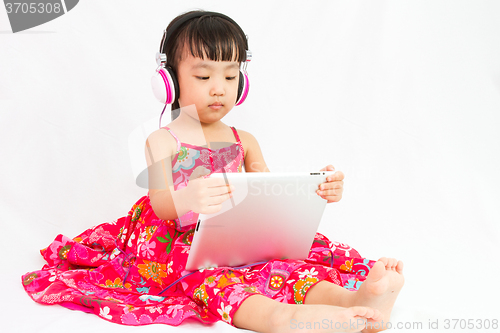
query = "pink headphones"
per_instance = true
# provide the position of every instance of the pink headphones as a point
(164, 82)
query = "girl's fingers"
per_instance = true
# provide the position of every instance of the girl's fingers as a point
(217, 200)
(332, 186)
(333, 191)
(220, 190)
(338, 175)
(332, 198)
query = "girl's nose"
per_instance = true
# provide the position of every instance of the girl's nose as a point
(217, 88)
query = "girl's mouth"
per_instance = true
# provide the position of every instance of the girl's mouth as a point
(215, 106)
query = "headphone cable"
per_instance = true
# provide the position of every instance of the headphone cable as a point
(161, 115)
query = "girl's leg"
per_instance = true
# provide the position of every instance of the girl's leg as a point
(325, 292)
(379, 290)
(262, 314)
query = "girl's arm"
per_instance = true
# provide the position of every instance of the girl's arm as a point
(254, 161)
(159, 150)
(201, 195)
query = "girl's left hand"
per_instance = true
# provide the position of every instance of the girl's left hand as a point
(332, 189)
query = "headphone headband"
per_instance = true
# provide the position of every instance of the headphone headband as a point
(189, 17)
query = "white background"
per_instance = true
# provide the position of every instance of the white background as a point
(402, 96)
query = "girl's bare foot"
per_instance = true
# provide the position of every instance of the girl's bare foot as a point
(262, 314)
(327, 318)
(380, 290)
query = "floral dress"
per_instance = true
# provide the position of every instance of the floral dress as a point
(132, 271)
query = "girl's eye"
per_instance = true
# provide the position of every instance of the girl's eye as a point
(230, 77)
(202, 77)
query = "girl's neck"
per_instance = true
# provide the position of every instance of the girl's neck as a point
(189, 123)
(195, 132)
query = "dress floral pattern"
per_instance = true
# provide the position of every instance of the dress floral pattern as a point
(132, 271)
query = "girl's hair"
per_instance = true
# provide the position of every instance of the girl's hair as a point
(207, 37)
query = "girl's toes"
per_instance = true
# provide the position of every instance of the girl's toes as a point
(384, 260)
(377, 316)
(399, 267)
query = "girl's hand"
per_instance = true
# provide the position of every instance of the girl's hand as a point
(206, 195)
(332, 189)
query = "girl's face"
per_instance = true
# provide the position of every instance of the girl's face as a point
(210, 85)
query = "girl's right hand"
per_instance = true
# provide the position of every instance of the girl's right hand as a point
(206, 195)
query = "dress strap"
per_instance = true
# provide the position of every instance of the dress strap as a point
(239, 141)
(236, 135)
(175, 136)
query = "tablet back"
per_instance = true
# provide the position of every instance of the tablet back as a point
(270, 216)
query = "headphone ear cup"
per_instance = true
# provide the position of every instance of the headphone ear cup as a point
(165, 86)
(243, 87)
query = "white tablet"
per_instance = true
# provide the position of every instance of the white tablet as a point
(270, 216)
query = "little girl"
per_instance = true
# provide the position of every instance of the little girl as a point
(132, 271)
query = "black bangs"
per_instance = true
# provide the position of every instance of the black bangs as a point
(208, 37)
(214, 38)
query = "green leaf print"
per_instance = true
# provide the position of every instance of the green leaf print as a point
(169, 240)
(161, 239)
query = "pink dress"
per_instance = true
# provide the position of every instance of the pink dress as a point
(132, 271)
